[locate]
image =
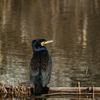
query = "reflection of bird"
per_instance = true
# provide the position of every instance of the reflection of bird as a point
(40, 65)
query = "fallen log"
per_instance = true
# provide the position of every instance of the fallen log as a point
(74, 90)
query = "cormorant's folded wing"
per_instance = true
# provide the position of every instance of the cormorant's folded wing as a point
(46, 64)
(34, 68)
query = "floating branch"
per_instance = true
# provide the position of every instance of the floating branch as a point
(73, 90)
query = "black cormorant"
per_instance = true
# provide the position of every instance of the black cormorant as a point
(40, 65)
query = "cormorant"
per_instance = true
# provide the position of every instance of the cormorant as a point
(40, 66)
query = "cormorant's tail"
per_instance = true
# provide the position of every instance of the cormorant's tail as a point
(38, 89)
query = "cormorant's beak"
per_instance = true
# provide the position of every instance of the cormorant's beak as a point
(43, 43)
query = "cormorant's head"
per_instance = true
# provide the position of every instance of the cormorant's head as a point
(38, 45)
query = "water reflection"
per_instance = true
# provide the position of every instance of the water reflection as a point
(74, 27)
(49, 98)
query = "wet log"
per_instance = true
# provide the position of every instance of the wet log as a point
(74, 90)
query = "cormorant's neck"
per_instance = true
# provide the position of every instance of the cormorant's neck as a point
(39, 49)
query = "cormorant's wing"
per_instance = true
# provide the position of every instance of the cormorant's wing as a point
(46, 64)
(34, 68)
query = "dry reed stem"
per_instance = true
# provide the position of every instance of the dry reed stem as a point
(13, 87)
(79, 88)
(87, 97)
(2, 88)
(93, 92)
(18, 87)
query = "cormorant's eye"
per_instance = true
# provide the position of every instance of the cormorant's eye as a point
(37, 45)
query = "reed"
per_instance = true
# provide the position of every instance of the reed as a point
(19, 90)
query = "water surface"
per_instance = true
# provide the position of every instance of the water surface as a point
(74, 25)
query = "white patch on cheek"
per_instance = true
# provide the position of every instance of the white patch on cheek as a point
(42, 43)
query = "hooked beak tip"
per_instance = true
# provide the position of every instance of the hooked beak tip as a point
(46, 42)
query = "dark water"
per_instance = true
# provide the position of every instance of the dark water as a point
(74, 25)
